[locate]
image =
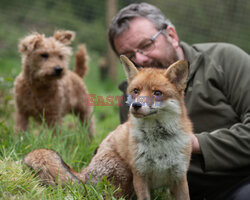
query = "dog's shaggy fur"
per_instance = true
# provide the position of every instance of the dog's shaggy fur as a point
(45, 87)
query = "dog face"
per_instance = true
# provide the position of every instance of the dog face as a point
(46, 58)
(153, 92)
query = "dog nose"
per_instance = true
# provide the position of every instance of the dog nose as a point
(58, 70)
(136, 105)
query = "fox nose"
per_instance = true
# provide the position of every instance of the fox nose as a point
(136, 105)
(58, 70)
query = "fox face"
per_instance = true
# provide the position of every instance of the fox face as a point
(154, 92)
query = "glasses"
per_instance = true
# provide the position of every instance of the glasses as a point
(145, 48)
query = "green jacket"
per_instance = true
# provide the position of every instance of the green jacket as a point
(218, 103)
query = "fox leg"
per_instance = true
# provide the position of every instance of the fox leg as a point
(180, 189)
(50, 167)
(141, 187)
(107, 163)
(51, 170)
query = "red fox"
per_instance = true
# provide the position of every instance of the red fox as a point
(152, 149)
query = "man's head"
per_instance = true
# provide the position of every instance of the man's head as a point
(144, 34)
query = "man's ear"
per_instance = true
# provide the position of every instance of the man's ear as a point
(172, 36)
(65, 37)
(30, 43)
(129, 68)
(177, 73)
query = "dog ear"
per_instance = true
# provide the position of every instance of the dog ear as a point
(30, 43)
(65, 37)
(129, 68)
(177, 73)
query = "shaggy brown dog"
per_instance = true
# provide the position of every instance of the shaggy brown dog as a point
(45, 87)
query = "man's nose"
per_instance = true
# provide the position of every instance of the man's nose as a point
(141, 59)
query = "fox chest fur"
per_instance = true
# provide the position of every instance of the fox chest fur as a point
(159, 154)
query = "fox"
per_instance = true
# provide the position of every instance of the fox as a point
(152, 149)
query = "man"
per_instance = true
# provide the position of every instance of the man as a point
(217, 98)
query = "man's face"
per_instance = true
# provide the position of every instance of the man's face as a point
(166, 47)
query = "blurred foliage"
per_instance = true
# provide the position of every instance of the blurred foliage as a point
(18, 18)
(210, 21)
(195, 21)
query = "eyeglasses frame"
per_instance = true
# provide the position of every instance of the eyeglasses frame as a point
(152, 39)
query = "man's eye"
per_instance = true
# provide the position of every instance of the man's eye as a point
(157, 93)
(147, 46)
(44, 55)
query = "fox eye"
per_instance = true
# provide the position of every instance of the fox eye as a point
(157, 93)
(44, 55)
(136, 91)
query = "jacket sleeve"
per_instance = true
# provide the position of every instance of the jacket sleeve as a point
(123, 108)
(229, 148)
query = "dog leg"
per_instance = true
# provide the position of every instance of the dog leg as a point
(86, 119)
(54, 121)
(91, 128)
(180, 189)
(21, 121)
(141, 187)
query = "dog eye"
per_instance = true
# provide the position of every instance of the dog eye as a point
(136, 91)
(157, 93)
(60, 57)
(45, 55)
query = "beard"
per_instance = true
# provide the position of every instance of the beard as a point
(170, 58)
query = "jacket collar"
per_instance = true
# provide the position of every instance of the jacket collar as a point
(193, 56)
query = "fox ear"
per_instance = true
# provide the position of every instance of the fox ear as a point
(65, 37)
(177, 74)
(30, 43)
(129, 67)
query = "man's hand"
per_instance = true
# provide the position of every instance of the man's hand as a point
(195, 145)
